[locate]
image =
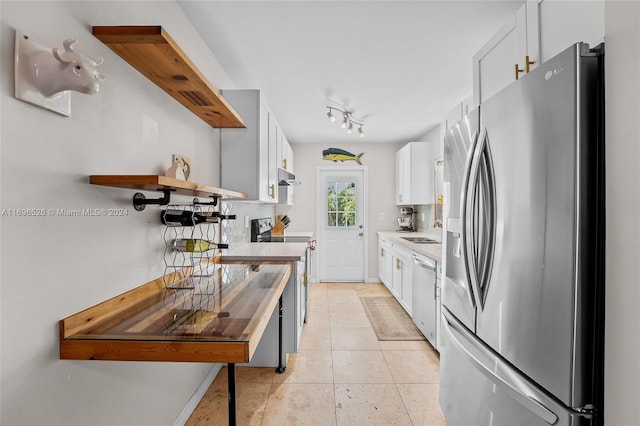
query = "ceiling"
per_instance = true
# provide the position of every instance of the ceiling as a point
(399, 66)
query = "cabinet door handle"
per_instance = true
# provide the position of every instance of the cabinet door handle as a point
(398, 264)
(284, 161)
(518, 70)
(528, 63)
(381, 252)
(272, 191)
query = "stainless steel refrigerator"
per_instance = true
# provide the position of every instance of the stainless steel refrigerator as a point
(523, 295)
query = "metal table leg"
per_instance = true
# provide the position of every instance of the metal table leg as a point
(280, 368)
(231, 378)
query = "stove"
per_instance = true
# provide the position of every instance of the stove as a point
(261, 233)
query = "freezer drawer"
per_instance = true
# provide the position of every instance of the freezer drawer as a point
(470, 368)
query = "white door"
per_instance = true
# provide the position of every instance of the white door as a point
(341, 223)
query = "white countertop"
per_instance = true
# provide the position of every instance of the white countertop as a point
(297, 234)
(434, 251)
(265, 252)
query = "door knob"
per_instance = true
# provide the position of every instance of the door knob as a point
(360, 234)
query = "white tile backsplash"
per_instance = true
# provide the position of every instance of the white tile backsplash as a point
(234, 232)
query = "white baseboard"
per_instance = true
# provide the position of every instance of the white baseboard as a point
(374, 280)
(197, 396)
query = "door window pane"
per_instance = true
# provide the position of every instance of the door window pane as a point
(341, 204)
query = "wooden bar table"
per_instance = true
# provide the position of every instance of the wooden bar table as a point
(220, 321)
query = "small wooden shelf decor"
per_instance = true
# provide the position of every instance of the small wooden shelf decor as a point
(150, 50)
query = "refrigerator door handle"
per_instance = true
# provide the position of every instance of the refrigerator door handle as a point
(469, 224)
(488, 216)
(465, 219)
(496, 369)
(479, 219)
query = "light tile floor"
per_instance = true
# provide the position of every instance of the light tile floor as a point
(342, 374)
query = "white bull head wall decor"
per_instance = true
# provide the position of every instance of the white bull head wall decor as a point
(69, 70)
(44, 76)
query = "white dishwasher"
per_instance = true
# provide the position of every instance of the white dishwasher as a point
(425, 296)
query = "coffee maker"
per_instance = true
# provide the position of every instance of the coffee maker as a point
(405, 220)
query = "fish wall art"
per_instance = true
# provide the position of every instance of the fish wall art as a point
(337, 154)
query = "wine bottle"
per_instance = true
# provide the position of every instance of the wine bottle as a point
(220, 216)
(194, 245)
(185, 218)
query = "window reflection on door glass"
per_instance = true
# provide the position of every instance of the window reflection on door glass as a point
(341, 204)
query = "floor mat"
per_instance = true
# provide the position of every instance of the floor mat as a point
(389, 320)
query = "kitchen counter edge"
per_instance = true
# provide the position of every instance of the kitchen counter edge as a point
(434, 250)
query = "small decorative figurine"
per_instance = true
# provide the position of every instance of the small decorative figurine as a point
(180, 168)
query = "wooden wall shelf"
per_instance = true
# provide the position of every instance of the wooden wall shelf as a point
(150, 50)
(163, 183)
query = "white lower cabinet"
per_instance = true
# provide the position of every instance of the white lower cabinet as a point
(402, 279)
(412, 278)
(384, 262)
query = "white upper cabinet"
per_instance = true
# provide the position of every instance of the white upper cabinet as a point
(510, 53)
(285, 153)
(414, 173)
(563, 23)
(248, 156)
(538, 31)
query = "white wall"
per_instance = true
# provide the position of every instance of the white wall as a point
(55, 266)
(380, 160)
(622, 357)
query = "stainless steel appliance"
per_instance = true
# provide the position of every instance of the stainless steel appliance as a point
(425, 296)
(261, 232)
(523, 294)
(286, 182)
(405, 220)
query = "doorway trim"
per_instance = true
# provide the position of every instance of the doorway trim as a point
(365, 214)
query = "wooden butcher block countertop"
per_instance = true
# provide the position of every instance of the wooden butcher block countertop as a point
(220, 320)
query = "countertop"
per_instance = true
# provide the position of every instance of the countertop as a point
(297, 234)
(434, 251)
(268, 252)
(265, 252)
(221, 320)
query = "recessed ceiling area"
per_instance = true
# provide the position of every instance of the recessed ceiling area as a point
(399, 66)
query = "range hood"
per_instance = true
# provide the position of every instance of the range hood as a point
(286, 178)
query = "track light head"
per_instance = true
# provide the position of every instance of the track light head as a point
(347, 120)
(332, 118)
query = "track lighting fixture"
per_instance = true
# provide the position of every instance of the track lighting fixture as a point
(347, 120)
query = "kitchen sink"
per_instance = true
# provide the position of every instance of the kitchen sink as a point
(421, 240)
